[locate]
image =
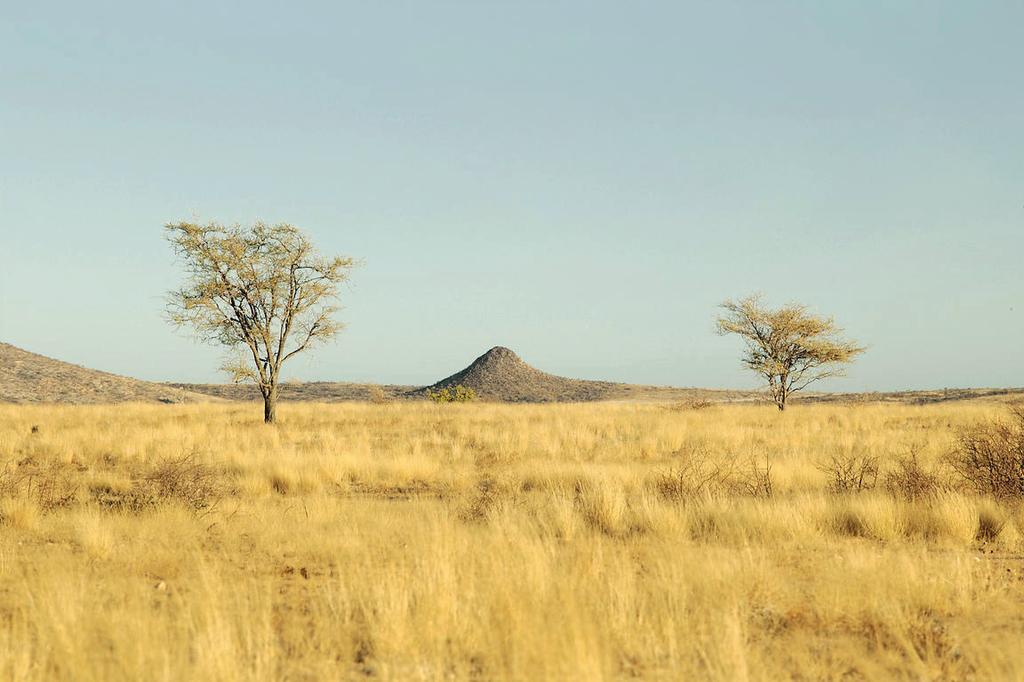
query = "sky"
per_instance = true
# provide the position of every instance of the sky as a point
(583, 182)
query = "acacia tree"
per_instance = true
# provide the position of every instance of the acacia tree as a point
(790, 347)
(262, 291)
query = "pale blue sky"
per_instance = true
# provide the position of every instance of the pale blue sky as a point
(580, 181)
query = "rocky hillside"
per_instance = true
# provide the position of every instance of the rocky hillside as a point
(311, 391)
(30, 378)
(501, 375)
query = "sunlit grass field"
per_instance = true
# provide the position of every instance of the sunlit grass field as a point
(420, 541)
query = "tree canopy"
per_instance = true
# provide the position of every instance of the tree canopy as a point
(262, 291)
(789, 346)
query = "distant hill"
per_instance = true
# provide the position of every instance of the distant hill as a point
(30, 378)
(310, 391)
(920, 397)
(502, 376)
(499, 375)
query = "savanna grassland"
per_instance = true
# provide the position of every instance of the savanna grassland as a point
(421, 541)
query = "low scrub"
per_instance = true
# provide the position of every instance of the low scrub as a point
(452, 394)
(488, 494)
(181, 480)
(910, 480)
(377, 395)
(696, 478)
(989, 457)
(850, 473)
(693, 404)
(187, 481)
(48, 486)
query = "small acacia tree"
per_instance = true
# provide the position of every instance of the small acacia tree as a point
(790, 347)
(262, 291)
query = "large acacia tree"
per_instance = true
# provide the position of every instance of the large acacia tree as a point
(263, 291)
(789, 346)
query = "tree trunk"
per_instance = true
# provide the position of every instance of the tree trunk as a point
(783, 393)
(270, 406)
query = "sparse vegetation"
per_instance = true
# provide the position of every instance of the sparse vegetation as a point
(696, 478)
(32, 378)
(910, 479)
(989, 456)
(598, 540)
(377, 395)
(186, 480)
(452, 394)
(853, 472)
(691, 404)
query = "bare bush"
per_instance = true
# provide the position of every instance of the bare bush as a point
(182, 480)
(10, 481)
(990, 457)
(377, 395)
(911, 480)
(49, 486)
(188, 481)
(54, 490)
(701, 478)
(486, 496)
(695, 478)
(693, 404)
(850, 473)
(757, 481)
(133, 499)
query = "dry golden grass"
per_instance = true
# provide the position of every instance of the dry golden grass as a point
(417, 541)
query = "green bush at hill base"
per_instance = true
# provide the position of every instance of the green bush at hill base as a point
(452, 394)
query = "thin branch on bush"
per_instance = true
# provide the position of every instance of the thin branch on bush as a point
(990, 457)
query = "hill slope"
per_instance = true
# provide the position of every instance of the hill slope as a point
(501, 375)
(30, 378)
(310, 391)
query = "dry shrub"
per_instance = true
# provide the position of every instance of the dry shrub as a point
(187, 481)
(56, 491)
(10, 481)
(757, 480)
(850, 473)
(377, 395)
(488, 494)
(696, 478)
(48, 486)
(910, 480)
(182, 480)
(133, 499)
(990, 457)
(693, 404)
